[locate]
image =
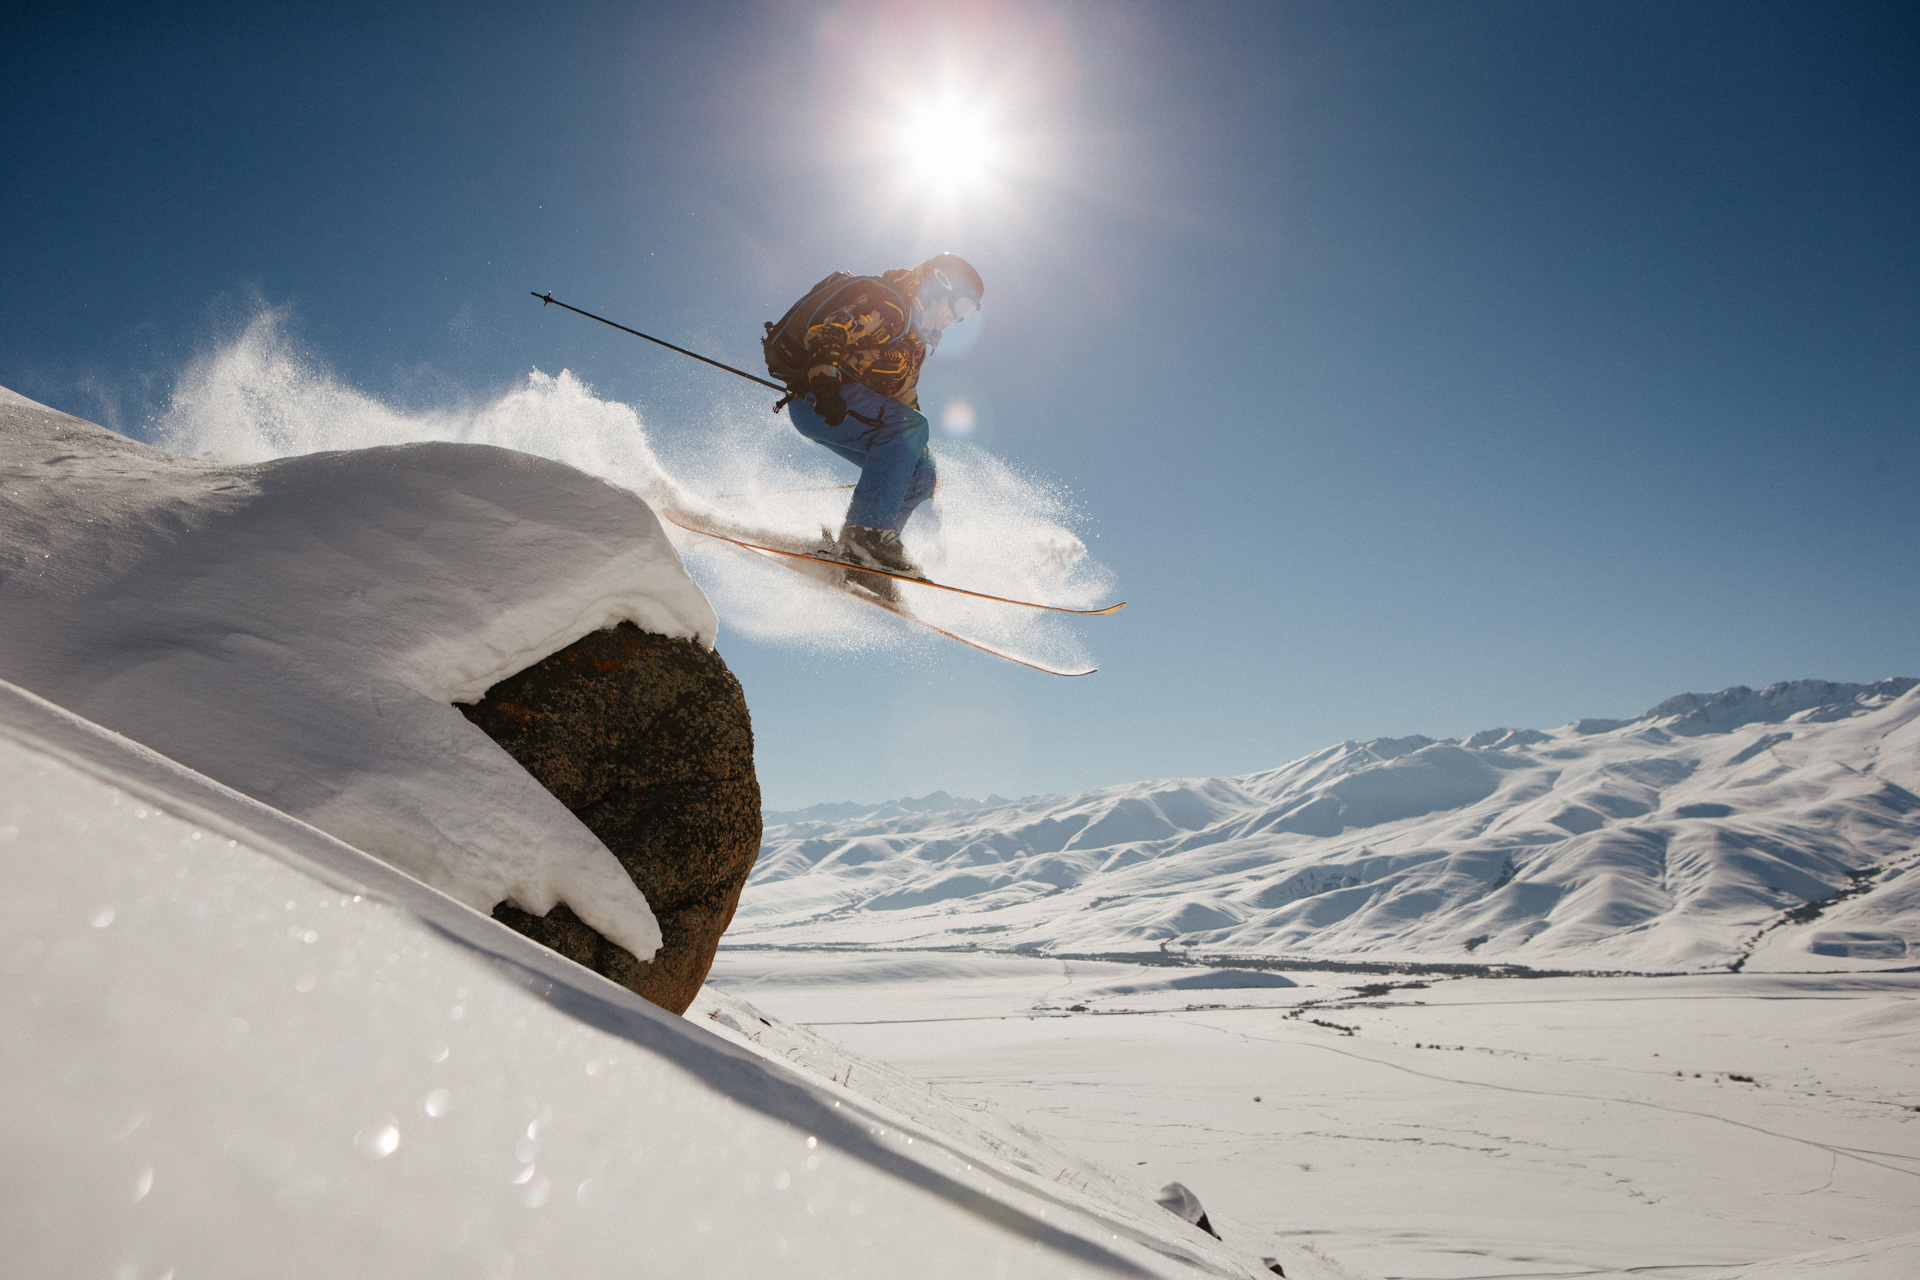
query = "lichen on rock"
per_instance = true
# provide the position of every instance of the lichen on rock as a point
(648, 741)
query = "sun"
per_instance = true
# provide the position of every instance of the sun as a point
(948, 145)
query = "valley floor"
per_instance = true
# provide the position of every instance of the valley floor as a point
(1433, 1127)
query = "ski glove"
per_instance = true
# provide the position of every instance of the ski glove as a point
(827, 401)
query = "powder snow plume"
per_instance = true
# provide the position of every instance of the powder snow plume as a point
(989, 527)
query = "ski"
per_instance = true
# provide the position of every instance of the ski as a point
(817, 558)
(786, 560)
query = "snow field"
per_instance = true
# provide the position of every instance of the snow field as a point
(1441, 1128)
(237, 1047)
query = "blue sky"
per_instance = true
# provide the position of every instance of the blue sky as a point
(1419, 367)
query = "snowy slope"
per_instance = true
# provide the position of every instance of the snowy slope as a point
(299, 629)
(1705, 833)
(237, 1047)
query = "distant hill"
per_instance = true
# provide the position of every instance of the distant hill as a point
(843, 810)
(1771, 828)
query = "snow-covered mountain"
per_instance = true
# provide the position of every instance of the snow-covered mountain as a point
(845, 810)
(1737, 828)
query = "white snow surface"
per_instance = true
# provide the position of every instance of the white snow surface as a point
(1890, 1258)
(300, 628)
(236, 1047)
(1777, 829)
(1444, 1127)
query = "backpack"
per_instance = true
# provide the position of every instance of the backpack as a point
(786, 341)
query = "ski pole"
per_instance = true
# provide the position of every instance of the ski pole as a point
(545, 298)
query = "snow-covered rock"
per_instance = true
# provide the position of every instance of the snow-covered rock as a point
(647, 740)
(1176, 1199)
(1773, 828)
(299, 628)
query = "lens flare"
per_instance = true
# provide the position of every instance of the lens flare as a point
(958, 419)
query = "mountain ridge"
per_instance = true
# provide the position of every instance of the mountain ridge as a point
(1696, 708)
(1680, 838)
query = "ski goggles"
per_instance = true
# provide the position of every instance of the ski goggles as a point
(964, 304)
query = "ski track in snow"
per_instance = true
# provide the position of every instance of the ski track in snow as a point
(1852, 1153)
(1849, 1152)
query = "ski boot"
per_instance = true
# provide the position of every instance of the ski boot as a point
(862, 547)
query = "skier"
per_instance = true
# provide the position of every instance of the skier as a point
(850, 353)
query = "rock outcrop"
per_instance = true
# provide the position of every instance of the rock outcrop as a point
(647, 740)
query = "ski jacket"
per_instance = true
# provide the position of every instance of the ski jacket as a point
(871, 337)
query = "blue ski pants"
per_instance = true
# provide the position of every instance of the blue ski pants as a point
(887, 441)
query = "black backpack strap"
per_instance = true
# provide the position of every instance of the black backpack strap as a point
(785, 340)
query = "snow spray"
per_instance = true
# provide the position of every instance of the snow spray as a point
(989, 527)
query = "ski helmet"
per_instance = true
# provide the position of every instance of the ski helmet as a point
(951, 274)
